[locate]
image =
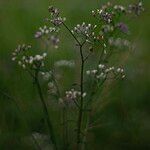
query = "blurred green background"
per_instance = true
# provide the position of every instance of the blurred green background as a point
(125, 119)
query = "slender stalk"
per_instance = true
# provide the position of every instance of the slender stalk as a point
(50, 127)
(85, 133)
(72, 34)
(80, 115)
(90, 99)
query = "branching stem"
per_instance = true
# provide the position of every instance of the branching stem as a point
(80, 113)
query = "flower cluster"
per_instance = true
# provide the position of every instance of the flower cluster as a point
(56, 19)
(119, 8)
(118, 42)
(103, 13)
(45, 31)
(106, 29)
(50, 33)
(123, 27)
(85, 29)
(32, 61)
(108, 15)
(111, 16)
(86, 34)
(104, 72)
(108, 12)
(136, 8)
(73, 95)
(25, 60)
(102, 39)
(20, 49)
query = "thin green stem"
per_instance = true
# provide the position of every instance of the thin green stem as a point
(72, 34)
(80, 114)
(50, 127)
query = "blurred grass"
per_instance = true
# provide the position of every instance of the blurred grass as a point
(125, 118)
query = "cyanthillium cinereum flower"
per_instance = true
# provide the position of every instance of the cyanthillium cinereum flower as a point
(119, 42)
(45, 31)
(103, 38)
(86, 31)
(49, 33)
(55, 17)
(136, 8)
(73, 94)
(104, 72)
(123, 27)
(28, 61)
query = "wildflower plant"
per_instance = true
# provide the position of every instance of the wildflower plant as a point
(106, 37)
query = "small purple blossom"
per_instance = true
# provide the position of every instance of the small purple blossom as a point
(123, 27)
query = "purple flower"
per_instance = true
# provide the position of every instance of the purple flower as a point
(123, 27)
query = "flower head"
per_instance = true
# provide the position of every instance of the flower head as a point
(50, 33)
(25, 60)
(136, 8)
(55, 19)
(73, 95)
(123, 27)
(104, 72)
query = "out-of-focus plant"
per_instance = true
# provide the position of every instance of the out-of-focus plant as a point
(104, 36)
